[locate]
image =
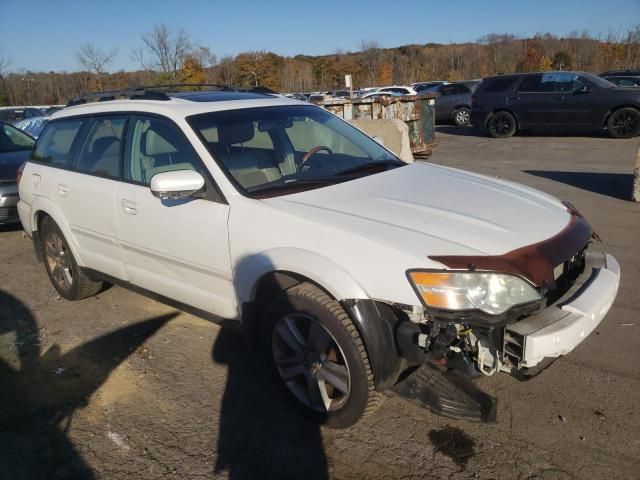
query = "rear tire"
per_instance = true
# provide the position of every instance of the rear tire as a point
(318, 357)
(462, 117)
(624, 123)
(502, 125)
(61, 266)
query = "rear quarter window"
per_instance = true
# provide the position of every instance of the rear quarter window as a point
(499, 84)
(55, 145)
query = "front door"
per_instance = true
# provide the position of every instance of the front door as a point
(579, 103)
(176, 248)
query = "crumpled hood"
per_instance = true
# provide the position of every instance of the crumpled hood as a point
(9, 163)
(434, 210)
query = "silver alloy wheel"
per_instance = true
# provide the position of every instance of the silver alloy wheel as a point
(58, 261)
(462, 117)
(310, 362)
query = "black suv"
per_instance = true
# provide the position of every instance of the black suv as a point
(507, 103)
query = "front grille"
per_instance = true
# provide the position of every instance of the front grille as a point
(572, 269)
(8, 213)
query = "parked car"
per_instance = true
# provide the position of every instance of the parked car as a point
(420, 87)
(15, 147)
(33, 126)
(507, 103)
(401, 90)
(347, 267)
(17, 114)
(620, 73)
(378, 94)
(624, 81)
(453, 103)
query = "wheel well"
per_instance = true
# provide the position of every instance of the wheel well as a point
(503, 110)
(40, 216)
(458, 107)
(615, 109)
(267, 287)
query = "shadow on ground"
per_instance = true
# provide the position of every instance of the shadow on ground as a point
(480, 132)
(616, 185)
(261, 434)
(39, 394)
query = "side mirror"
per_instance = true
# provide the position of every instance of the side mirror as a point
(176, 185)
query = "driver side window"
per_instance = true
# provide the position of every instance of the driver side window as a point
(155, 146)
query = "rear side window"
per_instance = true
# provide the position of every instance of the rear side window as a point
(55, 145)
(538, 84)
(100, 154)
(500, 84)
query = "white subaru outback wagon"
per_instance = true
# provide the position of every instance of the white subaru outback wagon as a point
(351, 271)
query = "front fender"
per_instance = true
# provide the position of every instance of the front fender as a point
(337, 281)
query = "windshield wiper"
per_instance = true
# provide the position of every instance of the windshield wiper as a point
(370, 166)
(291, 184)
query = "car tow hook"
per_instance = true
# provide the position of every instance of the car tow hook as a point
(447, 393)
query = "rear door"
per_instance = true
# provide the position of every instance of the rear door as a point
(176, 248)
(85, 193)
(445, 102)
(536, 102)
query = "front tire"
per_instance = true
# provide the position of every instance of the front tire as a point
(462, 117)
(317, 355)
(63, 270)
(502, 125)
(624, 123)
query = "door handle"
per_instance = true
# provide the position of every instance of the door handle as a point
(63, 190)
(129, 207)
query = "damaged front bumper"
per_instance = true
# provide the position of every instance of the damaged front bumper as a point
(535, 341)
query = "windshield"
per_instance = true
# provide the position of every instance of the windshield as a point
(277, 148)
(599, 81)
(12, 139)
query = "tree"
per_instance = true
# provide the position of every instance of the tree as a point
(371, 57)
(385, 76)
(192, 71)
(227, 69)
(562, 60)
(163, 51)
(95, 60)
(545, 64)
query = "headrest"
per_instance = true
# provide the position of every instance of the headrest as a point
(235, 133)
(106, 146)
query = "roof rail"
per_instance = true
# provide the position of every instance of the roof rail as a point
(157, 92)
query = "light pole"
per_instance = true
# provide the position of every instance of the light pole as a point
(255, 76)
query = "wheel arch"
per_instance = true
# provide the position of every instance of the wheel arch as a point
(611, 111)
(42, 208)
(502, 109)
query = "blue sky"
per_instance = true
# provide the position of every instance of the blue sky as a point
(44, 35)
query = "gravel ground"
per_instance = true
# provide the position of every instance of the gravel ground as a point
(119, 386)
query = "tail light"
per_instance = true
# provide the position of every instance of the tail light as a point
(19, 173)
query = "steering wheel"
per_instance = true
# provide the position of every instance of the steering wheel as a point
(311, 153)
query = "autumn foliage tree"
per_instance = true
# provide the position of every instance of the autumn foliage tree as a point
(170, 56)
